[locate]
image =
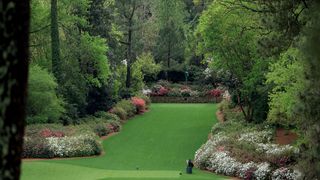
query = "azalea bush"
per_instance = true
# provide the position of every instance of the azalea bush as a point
(36, 148)
(50, 133)
(139, 103)
(213, 156)
(75, 146)
(127, 106)
(146, 99)
(120, 112)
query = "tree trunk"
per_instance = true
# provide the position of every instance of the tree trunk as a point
(14, 32)
(129, 58)
(169, 54)
(247, 115)
(55, 42)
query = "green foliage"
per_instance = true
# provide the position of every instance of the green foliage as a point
(93, 61)
(106, 115)
(170, 20)
(44, 106)
(128, 107)
(101, 130)
(143, 66)
(310, 98)
(231, 47)
(287, 77)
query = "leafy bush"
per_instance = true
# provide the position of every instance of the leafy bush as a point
(144, 66)
(127, 106)
(120, 112)
(43, 106)
(186, 92)
(139, 103)
(106, 115)
(49, 133)
(175, 92)
(164, 83)
(101, 130)
(215, 92)
(36, 148)
(287, 77)
(158, 90)
(113, 126)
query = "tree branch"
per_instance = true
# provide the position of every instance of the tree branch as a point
(40, 29)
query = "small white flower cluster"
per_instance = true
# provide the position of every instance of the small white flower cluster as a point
(222, 163)
(286, 173)
(262, 139)
(207, 72)
(263, 171)
(257, 136)
(244, 168)
(207, 149)
(72, 146)
(275, 149)
(146, 91)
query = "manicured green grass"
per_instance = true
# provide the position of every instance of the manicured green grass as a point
(151, 146)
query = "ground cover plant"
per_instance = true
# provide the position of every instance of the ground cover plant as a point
(144, 149)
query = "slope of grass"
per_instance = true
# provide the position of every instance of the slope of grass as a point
(151, 146)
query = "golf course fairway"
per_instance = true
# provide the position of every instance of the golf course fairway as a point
(154, 145)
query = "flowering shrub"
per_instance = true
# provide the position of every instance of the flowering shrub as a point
(159, 90)
(127, 106)
(263, 171)
(146, 92)
(194, 94)
(36, 148)
(49, 133)
(106, 116)
(163, 91)
(247, 170)
(76, 146)
(215, 92)
(175, 92)
(186, 92)
(257, 137)
(213, 156)
(275, 149)
(120, 112)
(146, 99)
(101, 130)
(139, 103)
(82, 145)
(113, 126)
(284, 173)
